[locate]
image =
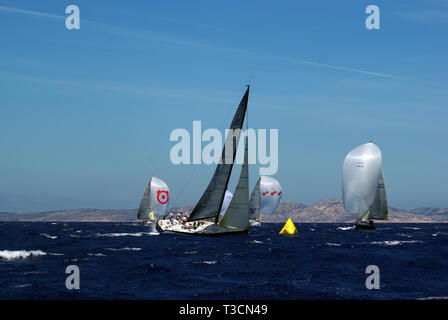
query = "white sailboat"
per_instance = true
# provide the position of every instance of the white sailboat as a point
(265, 198)
(205, 217)
(154, 203)
(363, 187)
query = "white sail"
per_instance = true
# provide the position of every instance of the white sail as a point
(154, 203)
(379, 207)
(360, 174)
(270, 194)
(254, 202)
(237, 214)
(225, 204)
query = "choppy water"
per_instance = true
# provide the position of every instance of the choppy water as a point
(126, 261)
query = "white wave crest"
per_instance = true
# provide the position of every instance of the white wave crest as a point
(48, 236)
(20, 254)
(255, 241)
(333, 244)
(395, 242)
(21, 286)
(346, 228)
(137, 234)
(124, 249)
(96, 254)
(207, 262)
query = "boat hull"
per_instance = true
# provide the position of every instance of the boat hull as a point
(364, 225)
(201, 228)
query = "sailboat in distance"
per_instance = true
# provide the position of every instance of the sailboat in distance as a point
(363, 187)
(265, 198)
(205, 217)
(154, 203)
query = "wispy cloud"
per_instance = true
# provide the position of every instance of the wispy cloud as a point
(29, 12)
(182, 42)
(207, 96)
(178, 41)
(440, 16)
(38, 14)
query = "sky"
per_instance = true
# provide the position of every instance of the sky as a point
(86, 115)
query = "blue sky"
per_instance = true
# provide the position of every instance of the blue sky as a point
(85, 115)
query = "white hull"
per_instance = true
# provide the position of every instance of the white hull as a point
(206, 228)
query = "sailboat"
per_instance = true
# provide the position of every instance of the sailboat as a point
(363, 187)
(205, 217)
(154, 203)
(265, 198)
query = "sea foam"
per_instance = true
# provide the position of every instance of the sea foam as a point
(395, 242)
(346, 228)
(20, 254)
(48, 236)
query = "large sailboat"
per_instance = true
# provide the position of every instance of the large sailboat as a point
(205, 217)
(154, 203)
(265, 198)
(363, 187)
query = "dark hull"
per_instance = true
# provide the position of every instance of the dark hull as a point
(364, 225)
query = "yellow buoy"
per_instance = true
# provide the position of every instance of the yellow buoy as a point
(289, 228)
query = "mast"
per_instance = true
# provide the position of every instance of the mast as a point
(210, 203)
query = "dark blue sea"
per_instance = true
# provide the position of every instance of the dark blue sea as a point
(126, 261)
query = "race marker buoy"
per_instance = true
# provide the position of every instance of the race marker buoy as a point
(289, 228)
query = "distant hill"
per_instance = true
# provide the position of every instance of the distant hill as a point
(330, 210)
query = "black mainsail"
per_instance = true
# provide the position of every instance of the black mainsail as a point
(210, 203)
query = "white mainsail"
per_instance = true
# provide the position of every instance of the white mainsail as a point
(154, 203)
(362, 182)
(237, 214)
